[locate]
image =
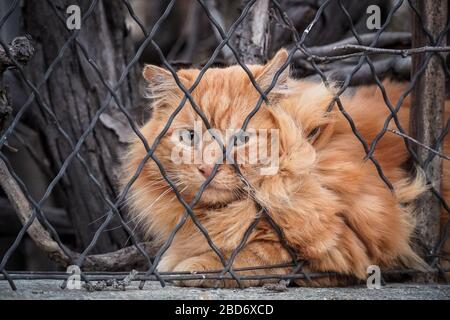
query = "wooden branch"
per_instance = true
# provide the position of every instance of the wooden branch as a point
(252, 35)
(386, 39)
(21, 49)
(398, 64)
(397, 67)
(122, 259)
(402, 52)
(24, 210)
(427, 117)
(329, 56)
(439, 154)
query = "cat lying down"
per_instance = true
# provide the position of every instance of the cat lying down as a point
(333, 207)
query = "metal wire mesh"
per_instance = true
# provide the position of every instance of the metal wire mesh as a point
(228, 272)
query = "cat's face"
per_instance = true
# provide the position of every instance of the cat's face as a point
(189, 150)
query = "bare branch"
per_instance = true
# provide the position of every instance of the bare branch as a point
(402, 52)
(388, 39)
(396, 66)
(125, 258)
(420, 144)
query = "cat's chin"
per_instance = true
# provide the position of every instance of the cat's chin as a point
(217, 197)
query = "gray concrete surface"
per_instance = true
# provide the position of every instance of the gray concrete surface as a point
(50, 289)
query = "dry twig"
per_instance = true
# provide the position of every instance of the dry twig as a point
(113, 261)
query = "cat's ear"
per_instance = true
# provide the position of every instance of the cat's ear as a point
(160, 81)
(267, 75)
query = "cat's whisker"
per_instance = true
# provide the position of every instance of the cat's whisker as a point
(145, 188)
(181, 191)
(132, 233)
(151, 205)
(98, 219)
(159, 197)
(142, 191)
(141, 217)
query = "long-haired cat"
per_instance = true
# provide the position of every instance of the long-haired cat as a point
(335, 211)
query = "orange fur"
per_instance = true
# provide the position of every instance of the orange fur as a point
(332, 206)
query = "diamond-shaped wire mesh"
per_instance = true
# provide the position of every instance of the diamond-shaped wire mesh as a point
(62, 253)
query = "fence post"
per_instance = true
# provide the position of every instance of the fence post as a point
(252, 35)
(427, 116)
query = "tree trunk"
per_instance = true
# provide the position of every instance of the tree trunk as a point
(427, 117)
(74, 92)
(252, 35)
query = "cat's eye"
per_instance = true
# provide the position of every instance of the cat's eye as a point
(314, 133)
(188, 138)
(241, 138)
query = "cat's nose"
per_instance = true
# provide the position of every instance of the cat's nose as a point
(206, 170)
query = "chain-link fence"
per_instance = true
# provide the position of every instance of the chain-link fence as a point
(359, 57)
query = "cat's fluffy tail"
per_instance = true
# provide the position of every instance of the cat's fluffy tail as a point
(407, 190)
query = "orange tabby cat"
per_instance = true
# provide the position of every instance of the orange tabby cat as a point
(334, 210)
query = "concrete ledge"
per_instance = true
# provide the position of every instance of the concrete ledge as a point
(50, 289)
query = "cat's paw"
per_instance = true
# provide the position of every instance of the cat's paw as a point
(168, 263)
(197, 266)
